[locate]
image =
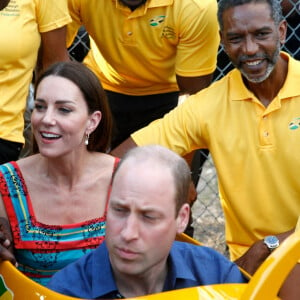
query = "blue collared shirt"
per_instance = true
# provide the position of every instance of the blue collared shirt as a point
(188, 266)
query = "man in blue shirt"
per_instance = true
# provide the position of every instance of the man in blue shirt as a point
(147, 208)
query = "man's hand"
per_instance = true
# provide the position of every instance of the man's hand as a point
(257, 253)
(6, 244)
(254, 257)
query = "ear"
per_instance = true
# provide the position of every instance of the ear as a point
(221, 37)
(93, 121)
(282, 29)
(183, 218)
(223, 41)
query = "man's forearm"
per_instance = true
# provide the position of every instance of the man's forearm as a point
(120, 150)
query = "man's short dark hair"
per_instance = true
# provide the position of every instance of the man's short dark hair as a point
(276, 12)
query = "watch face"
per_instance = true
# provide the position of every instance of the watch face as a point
(271, 241)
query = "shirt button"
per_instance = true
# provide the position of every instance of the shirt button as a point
(129, 33)
(266, 133)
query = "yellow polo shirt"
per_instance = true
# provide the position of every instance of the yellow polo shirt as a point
(141, 51)
(255, 151)
(21, 23)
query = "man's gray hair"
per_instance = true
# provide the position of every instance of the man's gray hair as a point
(276, 12)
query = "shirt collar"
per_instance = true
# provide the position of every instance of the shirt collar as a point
(105, 285)
(102, 285)
(140, 11)
(159, 3)
(177, 269)
(238, 90)
(291, 85)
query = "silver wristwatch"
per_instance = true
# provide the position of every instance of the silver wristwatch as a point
(272, 242)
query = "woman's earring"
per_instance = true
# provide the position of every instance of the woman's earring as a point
(87, 139)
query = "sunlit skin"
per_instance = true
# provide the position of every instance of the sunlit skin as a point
(252, 40)
(60, 118)
(141, 226)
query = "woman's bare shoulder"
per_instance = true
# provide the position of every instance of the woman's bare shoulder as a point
(105, 160)
(27, 164)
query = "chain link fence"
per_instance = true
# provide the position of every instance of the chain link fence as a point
(207, 213)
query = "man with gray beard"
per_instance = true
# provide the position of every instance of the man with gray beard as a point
(250, 122)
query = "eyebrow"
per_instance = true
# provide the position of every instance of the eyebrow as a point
(57, 101)
(233, 33)
(120, 203)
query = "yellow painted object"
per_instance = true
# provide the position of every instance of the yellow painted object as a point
(264, 285)
(185, 238)
(20, 287)
(23, 288)
(270, 276)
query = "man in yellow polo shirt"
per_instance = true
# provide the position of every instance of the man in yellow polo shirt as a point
(250, 122)
(149, 50)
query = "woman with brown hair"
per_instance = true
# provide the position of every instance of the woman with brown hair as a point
(55, 201)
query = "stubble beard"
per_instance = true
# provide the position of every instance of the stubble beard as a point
(271, 65)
